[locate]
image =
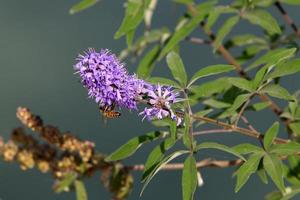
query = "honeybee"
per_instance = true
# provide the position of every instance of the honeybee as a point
(108, 112)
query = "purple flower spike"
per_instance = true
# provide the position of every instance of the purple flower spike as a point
(109, 84)
(160, 99)
(106, 79)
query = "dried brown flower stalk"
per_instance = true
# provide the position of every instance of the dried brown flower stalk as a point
(62, 154)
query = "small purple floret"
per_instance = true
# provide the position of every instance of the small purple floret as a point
(160, 99)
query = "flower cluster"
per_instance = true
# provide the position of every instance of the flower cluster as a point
(106, 79)
(108, 82)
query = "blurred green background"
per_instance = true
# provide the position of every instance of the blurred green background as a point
(39, 42)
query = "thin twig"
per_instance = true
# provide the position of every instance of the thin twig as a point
(237, 129)
(190, 112)
(287, 18)
(203, 163)
(196, 40)
(211, 131)
(246, 121)
(242, 110)
(208, 162)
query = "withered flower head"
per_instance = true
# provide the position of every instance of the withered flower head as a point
(43, 166)
(28, 119)
(10, 150)
(26, 160)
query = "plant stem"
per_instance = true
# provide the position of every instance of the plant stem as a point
(237, 129)
(246, 121)
(242, 110)
(231, 60)
(203, 163)
(287, 18)
(196, 40)
(211, 131)
(190, 112)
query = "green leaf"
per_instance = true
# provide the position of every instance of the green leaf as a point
(285, 69)
(259, 77)
(273, 57)
(260, 106)
(277, 91)
(247, 39)
(80, 191)
(184, 1)
(247, 148)
(162, 122)
(146, 65)
(292, 2)
(262, 3)
(82, 5)
(295, 127)
(270, 135)
(186, 29)
(65, 183)
(161, 164)
(210, 70)
(189, 178)
(186, 134)
(263, 19)
(213, 16)
(163, 81)
(285, 149)
(293, 161)
(216, 104)
(249, 52)
(293, 107)
(245, 171)
(133, 17)
(177, 68)
(273, 166)
(213, 145)
(238, 102)
(225, 30)
(130, 37)
(132, 146)
(203, 112)
(156, 156)
(263, 176)
(275, 195)
(215, 13)
(173, 129)
(242, 84)
(181, 22)
(209, 88)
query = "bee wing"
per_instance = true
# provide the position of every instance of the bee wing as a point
(104, 119)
